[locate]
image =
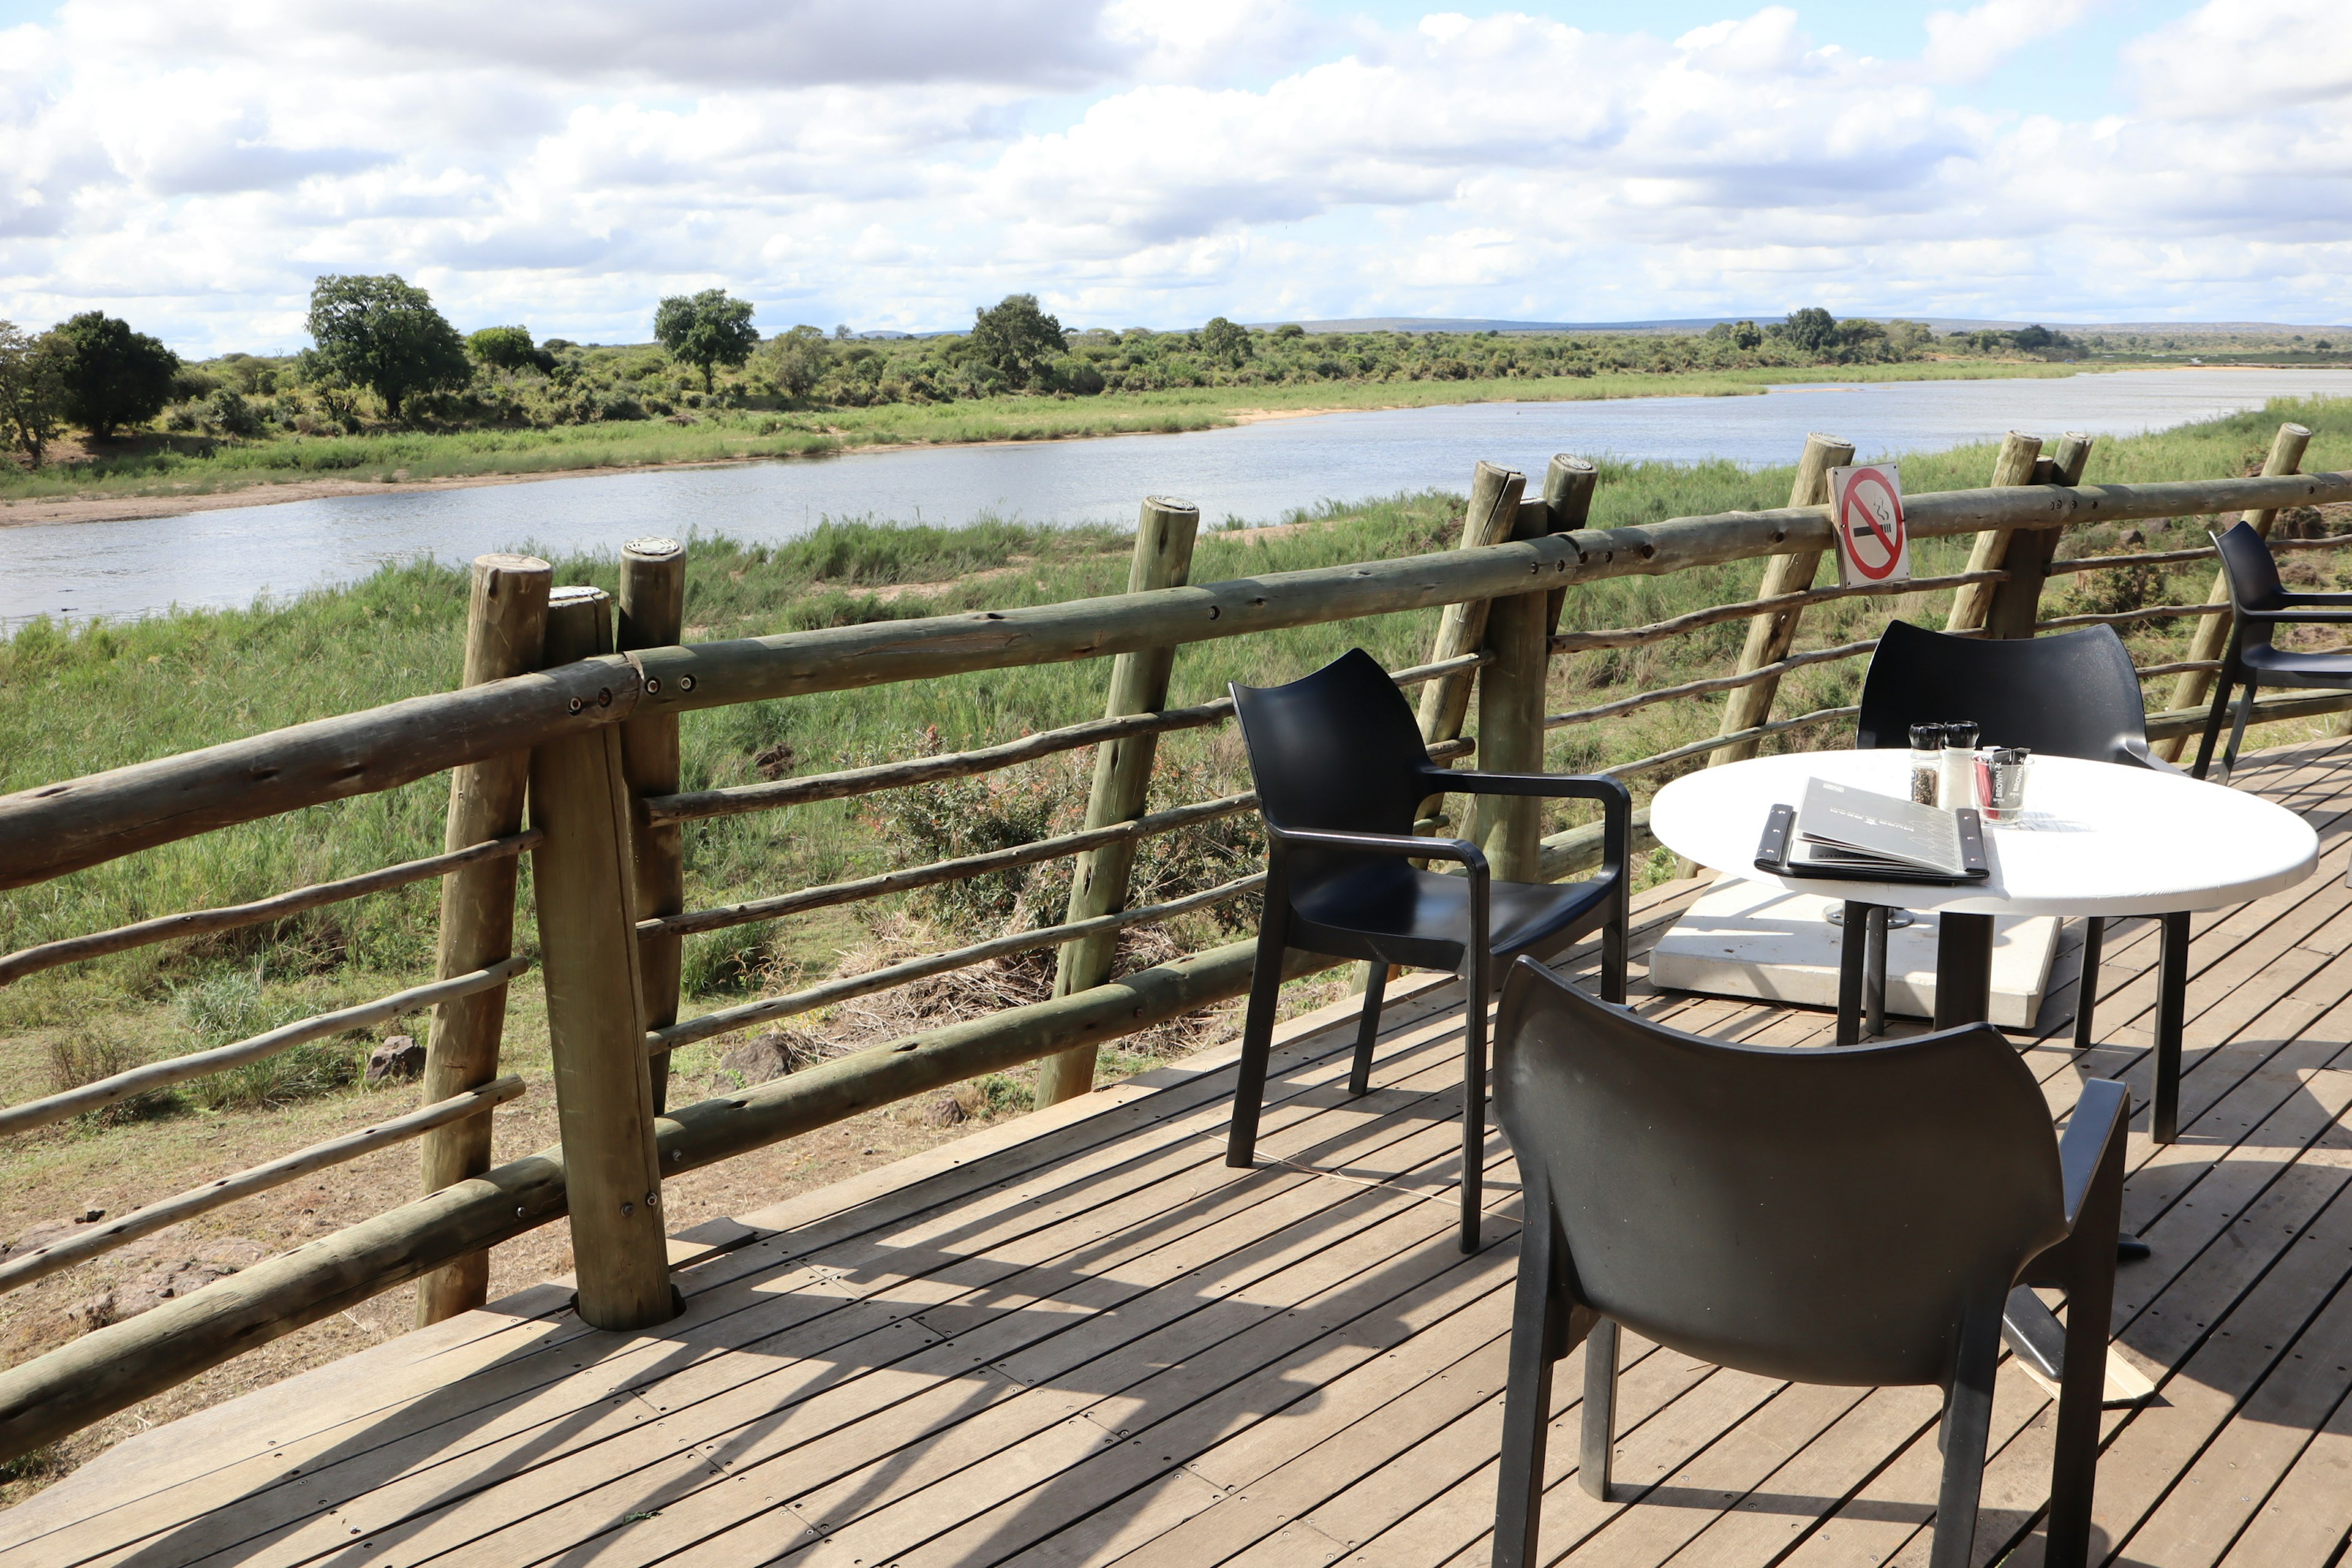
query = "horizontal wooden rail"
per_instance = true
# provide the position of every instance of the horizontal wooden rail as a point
(728, 1020)
(202, 922)
(2148, 558)
(61, 827)
(735, 800)
(2150, 672)
(101, 1239)
(2174, 722)
(2123, 617)
(1714, 614)
(881, 884)
(1712, 683)
(153, 1076)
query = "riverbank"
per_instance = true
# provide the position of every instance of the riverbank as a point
(295, 468)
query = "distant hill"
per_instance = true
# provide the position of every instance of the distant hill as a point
(1701, 324)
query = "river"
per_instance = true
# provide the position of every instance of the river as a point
(1254, 472)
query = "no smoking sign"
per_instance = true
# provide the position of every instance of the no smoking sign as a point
(1866, 505)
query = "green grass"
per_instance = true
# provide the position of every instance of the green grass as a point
(189, 466)
(77, 702)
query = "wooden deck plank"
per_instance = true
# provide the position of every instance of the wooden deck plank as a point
(1084, 1340)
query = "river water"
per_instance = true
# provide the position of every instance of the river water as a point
(1254, 472)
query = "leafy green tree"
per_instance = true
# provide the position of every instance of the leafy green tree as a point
(382, 333)
(1810, 329)
(1017, 339)
(796, 361)
(1222, 340)
(2033, 336)
(509, 348)
(32, 389)
(115, 376)
(706, 329)
(1288, 331)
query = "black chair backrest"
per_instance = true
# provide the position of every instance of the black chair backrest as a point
(2253, 575)
(1823, 1216)
(1338, 750)
(2071, 695)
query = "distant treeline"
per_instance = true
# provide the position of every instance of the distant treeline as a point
(383, 356)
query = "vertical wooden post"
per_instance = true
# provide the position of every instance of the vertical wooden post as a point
(1492, 517)
(1512, 689)
(506, 629)
(1568, 484)
(2017, 604)
(2014, 466)
(583, 877)
(653, 615)
(1769, 636)
(2212, 633)
(1164, 536)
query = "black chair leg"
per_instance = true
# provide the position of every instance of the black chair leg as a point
(1874, 973)
(1474, 1098)
(2213, 717)
(1852, 944)
(2086, 985)
(1614, 937)
(1967, 1423)
(2238, 732)
(1257, 1042)
(1599, 1440)
(2082, 1390)
(1538, 1335)
(1368, 1028)
(2171, 1015)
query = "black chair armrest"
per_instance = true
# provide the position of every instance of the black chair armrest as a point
(1616, 802)
(2292, 597)
(2102, 1111)
(1555, 787)
(2293, 615)
(1403, 845)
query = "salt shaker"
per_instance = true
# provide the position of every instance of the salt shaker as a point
(1956, 785)
(1927, 762)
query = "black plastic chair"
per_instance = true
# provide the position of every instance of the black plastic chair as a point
(2071, 695)
(2259, 605)
(1862, 1217)
(1340, 770)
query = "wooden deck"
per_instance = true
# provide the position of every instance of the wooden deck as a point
(1083, 1339)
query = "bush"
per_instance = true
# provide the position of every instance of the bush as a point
(116, 376)
(230, 413)
(620, 406)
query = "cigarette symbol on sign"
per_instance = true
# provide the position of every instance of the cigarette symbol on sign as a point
(1870, 524)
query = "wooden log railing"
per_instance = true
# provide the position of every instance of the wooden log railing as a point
(596, 732)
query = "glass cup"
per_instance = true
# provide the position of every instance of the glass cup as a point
(2002, 772)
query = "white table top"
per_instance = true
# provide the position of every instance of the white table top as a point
(2096, 838)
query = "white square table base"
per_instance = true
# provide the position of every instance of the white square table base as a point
(1745, 937)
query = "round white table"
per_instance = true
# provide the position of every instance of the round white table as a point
(2094, 839)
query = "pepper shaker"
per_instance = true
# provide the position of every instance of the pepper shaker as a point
(1927, 762)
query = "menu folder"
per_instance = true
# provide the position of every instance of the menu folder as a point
(1772, 856)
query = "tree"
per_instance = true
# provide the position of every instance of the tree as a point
(509, 348)
(32, 388)
(1224, 339)
(1810, 329)
(115, 376)
(798, 360)
(1016, 338)
(383, 333)
(706, 329)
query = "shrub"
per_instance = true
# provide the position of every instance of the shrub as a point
(230, 413)
(115, 376)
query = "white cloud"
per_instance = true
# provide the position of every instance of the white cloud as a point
(1965, 46)
(897, 162)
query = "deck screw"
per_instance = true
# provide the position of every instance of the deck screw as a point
(577, 705)
(629, 1209)
(605, 698)
(686, 683)
(653, 685)
(653, 1200)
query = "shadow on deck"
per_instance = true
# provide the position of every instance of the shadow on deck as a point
(1082, 1339)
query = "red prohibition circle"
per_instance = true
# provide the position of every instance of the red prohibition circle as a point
(1852, 508)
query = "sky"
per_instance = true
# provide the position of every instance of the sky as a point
(563, 165)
